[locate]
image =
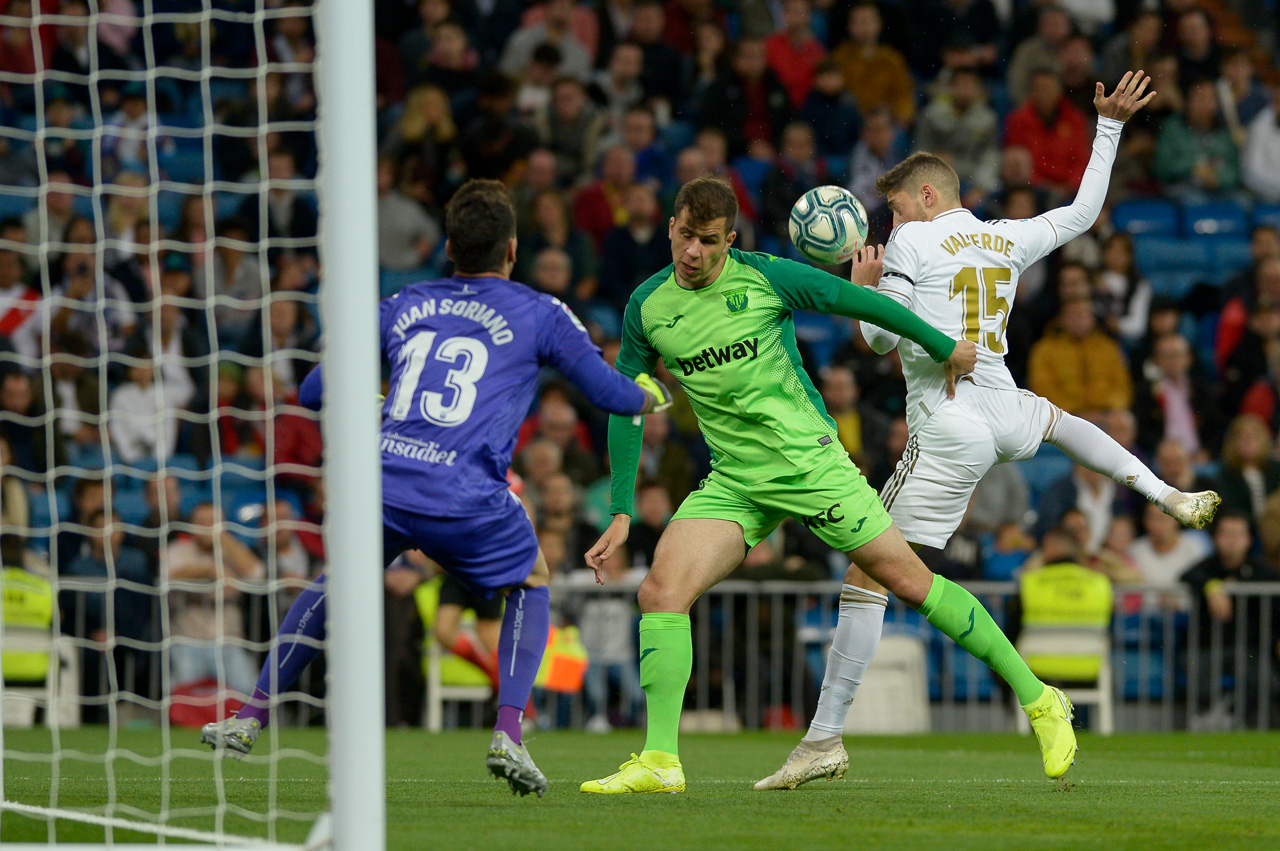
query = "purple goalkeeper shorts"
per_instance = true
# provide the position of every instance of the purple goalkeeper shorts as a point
(485, 553)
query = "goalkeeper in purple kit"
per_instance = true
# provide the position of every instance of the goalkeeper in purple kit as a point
(465, 354)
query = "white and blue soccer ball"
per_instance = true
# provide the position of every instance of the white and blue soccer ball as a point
(828, 224)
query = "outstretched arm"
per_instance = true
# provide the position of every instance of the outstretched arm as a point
(567, 346)
(803, 287)
(1071, 221)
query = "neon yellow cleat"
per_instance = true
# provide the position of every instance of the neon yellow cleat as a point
(652, 771)
(1050, 717)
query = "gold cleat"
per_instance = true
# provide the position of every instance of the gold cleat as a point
(1196, 510)
(808, 763)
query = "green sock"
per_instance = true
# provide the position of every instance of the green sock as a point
(958, 614)
(666, 662)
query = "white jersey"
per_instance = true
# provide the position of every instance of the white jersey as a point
(960, 274)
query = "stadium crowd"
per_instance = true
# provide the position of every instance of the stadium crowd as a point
(1162, 324)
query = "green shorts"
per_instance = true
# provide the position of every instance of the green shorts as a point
(833, 500)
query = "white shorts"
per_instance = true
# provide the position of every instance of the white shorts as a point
(929, 491)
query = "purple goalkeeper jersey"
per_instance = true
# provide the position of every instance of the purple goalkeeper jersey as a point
(465, 359)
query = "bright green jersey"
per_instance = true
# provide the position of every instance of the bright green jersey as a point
(732, 346)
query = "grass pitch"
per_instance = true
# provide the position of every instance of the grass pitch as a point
(954, 792)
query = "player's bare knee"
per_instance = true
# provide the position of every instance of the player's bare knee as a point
(659, 594)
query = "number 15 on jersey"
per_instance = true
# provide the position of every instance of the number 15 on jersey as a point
(982, 305)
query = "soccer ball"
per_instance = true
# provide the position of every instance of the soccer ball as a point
(828, 224)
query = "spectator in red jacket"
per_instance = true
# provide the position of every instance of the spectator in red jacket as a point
(600, 207)
(794, 52)
(1056, 133)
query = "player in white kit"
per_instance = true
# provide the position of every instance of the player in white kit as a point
(960, 275)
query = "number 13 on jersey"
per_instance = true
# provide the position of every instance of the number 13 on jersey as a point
(982, 305)
(462, 379)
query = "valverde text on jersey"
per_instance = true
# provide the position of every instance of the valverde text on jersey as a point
(711, 357)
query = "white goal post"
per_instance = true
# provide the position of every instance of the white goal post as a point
(344, 130)
(348, 241)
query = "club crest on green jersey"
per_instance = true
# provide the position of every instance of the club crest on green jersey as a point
(736, 299)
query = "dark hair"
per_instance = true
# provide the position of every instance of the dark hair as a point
(707, 199)
(1233, 514)
(915, 171)
(479, 220)
(1045, 71)
(227, 225)
(547, 54)
(1067, 544)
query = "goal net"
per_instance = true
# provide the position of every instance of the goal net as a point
(163, 494)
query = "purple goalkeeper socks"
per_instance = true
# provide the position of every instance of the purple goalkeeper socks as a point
(525, 625)
(289, 657)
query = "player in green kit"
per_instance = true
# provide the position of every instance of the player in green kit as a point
(721, 321)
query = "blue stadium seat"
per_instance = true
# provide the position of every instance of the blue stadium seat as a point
(226, 203)
(822, 333)
(753, 173)
(183, 166)
(837, 168)
(1175, 284)
(1215, 217)
(1147, 216)
(169, 208)
(235, 501)
(1154, 254)
(83, 206)
(239, 479)
(193, 494)
(131, 506)
(184, 461)
(89, 457)
(1267, 214)
(15, 205)
(1228, 255)
(1043, 469)
(221, 88)
(41, 521)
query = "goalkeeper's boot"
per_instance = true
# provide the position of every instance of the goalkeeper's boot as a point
(652, 771)
(1196, 510)
(511, 762)
(1050, 717)
(237, 735)
(809, 761)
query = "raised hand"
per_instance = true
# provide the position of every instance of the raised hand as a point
(1126, 99)
(868, 263)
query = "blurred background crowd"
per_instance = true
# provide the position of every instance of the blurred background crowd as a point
(147, 325)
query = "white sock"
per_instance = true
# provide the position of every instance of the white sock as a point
(1091, 447)
(856, 639)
